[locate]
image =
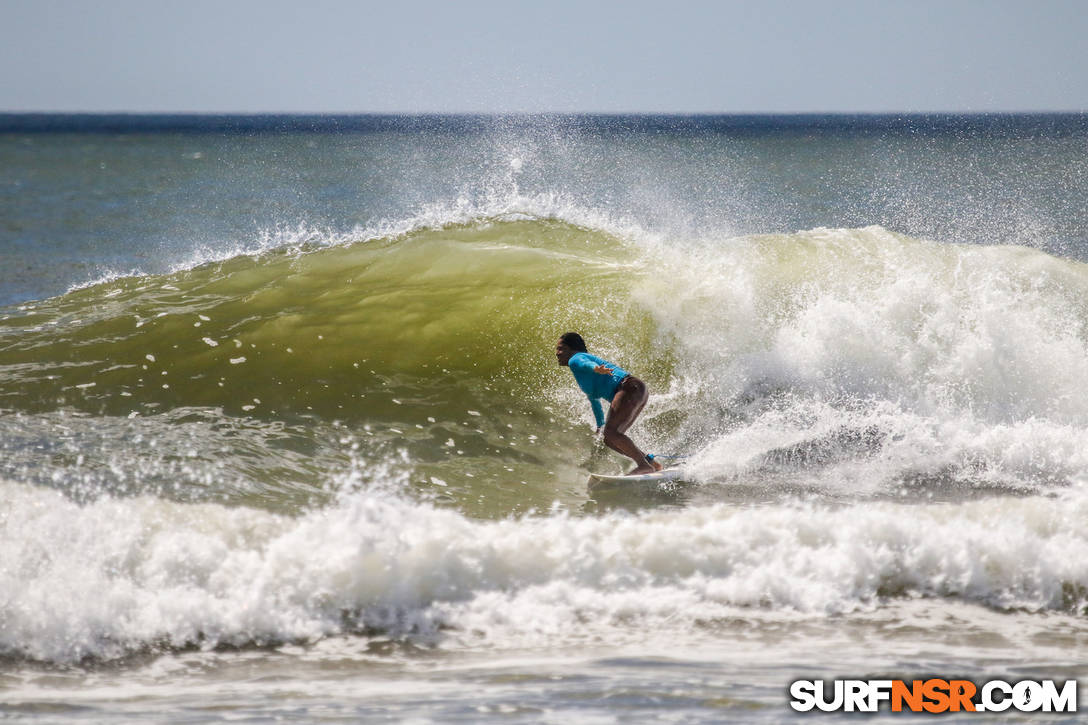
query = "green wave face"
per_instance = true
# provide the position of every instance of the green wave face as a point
(335, 333)
(437, 344)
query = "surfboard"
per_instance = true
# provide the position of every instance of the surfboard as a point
(600, 482)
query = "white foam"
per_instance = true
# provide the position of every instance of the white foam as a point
(114, 576)
(964, 352)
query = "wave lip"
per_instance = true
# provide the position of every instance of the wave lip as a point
(118, 576)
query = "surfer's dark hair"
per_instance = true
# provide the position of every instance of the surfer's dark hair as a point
(574, 341)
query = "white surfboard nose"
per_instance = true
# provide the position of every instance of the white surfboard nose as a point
(598, 482)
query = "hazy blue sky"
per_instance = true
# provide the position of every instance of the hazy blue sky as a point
(547, 55)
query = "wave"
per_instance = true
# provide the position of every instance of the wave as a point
(842, 359)
(114, 577)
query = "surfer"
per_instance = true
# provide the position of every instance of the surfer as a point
(598, 379)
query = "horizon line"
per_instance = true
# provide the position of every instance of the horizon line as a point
(891, 112)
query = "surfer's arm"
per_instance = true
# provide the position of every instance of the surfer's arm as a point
(598, 411)
(603, 370)
(583, 369)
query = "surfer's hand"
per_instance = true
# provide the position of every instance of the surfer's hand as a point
(602, 370)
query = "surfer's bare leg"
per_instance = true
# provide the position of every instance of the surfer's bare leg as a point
(628, 402)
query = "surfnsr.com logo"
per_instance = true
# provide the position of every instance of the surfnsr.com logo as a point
(933, 695)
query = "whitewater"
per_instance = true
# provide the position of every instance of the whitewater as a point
(280, 423)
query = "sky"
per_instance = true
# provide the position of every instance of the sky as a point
(509, 56)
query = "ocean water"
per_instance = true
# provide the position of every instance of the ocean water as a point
(282, 435)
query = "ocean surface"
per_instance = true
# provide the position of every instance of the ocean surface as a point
(282, 434)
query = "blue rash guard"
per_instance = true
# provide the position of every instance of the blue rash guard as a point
(593, 384)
